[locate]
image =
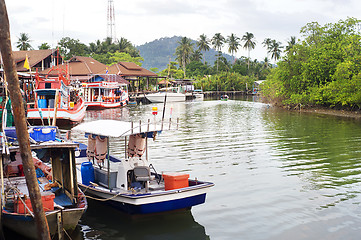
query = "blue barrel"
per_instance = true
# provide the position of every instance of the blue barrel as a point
(87, 173)
(42, 103)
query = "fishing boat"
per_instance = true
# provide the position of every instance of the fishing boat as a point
(198, 94)
(55, 99)
(171, 94)
(105, 91)
(132, 184)
(63, 202)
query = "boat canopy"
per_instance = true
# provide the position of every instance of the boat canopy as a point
(114, 128)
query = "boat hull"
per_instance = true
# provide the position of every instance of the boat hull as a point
(105, 105)
(25, 224)
(63, 116)
(160, 97)
(148, 203)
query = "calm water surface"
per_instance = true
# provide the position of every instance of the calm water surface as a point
(277, 174)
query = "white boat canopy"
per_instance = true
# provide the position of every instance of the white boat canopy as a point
(113, 128)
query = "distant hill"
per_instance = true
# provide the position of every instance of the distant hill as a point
(157, 53)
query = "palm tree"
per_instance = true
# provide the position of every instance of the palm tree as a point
(291, 43)
(23, 42)
(196, 56)
(203, 45)
(275, 50)
(266, 63)
(267, 43)
(124, 45)
(248, 43)
(217, 42)
(184, 52)
(233, 44)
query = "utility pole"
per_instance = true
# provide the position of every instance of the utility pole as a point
(20, 124)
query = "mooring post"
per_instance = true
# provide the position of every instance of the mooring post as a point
(20, 124)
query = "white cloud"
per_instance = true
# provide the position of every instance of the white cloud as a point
(142, 21)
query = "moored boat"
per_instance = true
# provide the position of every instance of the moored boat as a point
(105, 91)
(55, 99)
(198, 94)
(64, 203)
(172, 94)
(132, 184)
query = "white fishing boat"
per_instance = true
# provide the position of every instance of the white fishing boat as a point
(198, 94)
(172, 94)
(131, 184)
(63, 202)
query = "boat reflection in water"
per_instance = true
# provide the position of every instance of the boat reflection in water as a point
(104, 224)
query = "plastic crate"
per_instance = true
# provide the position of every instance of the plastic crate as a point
(10, 132)
(175, 180)
(43, 134)
(48, 203)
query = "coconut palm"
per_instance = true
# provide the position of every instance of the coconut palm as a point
(249, 44)
(184, 52)
(218, 42)
(266, 63)
(267, 44)
(233, 44)
(275, 50)
(124, 44)
(203, 45)
(23, 42)
(291, 43)
(196, 56)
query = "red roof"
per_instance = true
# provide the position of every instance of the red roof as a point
(37, 58)
(129, 69)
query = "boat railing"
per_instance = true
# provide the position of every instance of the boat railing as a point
(152, 126)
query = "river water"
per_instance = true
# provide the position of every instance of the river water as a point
(277, 174)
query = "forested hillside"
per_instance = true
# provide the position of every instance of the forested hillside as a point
(157, 53)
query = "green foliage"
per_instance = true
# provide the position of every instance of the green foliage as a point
(23, 42)
(44, 46)
(159, 52)
(323, 69)
(224, 81)
(72, 47)
(112, 58)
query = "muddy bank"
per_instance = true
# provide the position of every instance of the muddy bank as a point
(334, 112)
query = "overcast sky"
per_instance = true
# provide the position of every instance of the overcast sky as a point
(142, 21)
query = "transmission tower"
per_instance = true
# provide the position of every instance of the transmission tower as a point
(111, 21)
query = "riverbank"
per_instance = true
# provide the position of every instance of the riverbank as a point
(334, 112)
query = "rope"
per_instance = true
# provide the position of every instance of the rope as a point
(100, 199)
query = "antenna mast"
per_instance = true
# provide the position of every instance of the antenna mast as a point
(111, 21)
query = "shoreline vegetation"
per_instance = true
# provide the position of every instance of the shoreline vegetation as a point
(321, 70)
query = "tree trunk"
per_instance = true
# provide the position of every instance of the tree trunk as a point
(20, 124)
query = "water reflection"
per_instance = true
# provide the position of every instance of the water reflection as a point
(277, 173)
(103, 222)
(324, 151)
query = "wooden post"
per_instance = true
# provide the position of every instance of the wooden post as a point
(20, 124)
(56, 106)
